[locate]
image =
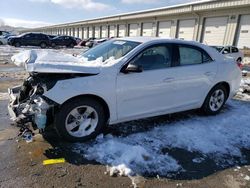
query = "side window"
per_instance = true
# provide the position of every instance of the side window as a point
(156, 57)
(27, 36)
(226, 50)
(192, 56)
(235, 50)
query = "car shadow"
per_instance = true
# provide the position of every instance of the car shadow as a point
(196, 165)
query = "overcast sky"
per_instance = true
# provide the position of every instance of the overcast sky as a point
(36, 13)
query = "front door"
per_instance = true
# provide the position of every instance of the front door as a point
(148, 92)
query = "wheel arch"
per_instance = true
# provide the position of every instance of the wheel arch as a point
(223, 83)
(95, 97)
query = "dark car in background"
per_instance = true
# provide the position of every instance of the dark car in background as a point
(63, 41)
(30, 39)
(52, 36)
(3, 33)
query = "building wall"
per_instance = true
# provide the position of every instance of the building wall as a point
(215, 23)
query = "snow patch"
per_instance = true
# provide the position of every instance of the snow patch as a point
(220, 138)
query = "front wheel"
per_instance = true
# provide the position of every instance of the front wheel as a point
(215, 100)
(80, 119)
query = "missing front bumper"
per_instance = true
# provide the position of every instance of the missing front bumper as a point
(33, 110)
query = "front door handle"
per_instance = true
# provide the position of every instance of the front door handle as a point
(168, 80)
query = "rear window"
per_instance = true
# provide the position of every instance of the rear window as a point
(235, 50)
(189, 55)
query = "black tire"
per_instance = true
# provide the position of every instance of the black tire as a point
(239, 60)
(43, 45)
(53, 45)
(206, 107)
(1, 43)
(17, 44)
(71, 45)
(65, 110)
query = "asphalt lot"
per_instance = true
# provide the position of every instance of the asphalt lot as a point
(179, 150)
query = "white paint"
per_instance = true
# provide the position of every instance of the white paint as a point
(186, 29)
(215, 30)
(164, 29)
(244, 32)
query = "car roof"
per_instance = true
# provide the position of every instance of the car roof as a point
(163, 39)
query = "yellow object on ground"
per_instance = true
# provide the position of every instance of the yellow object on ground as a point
(53, 161)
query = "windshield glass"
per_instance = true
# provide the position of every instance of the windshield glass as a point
(218, 48)
(113, 48)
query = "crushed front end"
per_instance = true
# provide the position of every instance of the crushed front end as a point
(27, 103)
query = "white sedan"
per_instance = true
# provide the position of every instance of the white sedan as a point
(120, 80)
(231, 52)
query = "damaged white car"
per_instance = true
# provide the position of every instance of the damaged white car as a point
(120, 80)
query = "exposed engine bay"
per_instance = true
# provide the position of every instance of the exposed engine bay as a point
(27, 103)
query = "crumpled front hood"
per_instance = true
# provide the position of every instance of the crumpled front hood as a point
(49, 61)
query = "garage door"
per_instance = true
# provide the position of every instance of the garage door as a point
(243, 39)
(104, 31)
(76, 32)
(121, 30)
(215, 30)
(186, 29)
(80, 32)
(85, 32)
(112, 31)
(97, 32)
(147, 29)
(90, 32)
(164, 29)
(133, 29)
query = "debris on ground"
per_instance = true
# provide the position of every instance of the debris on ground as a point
(53, 161)
(26, 134)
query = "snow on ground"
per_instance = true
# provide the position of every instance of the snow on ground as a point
(220, 138)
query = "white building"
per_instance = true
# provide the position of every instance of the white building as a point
(214, 22)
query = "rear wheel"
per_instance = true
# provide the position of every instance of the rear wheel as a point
(80, 119)
(215, 100)
(17, 44)
(43, 45)
(1, 43)
(71, 45)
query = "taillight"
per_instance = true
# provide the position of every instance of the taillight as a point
(240, 65)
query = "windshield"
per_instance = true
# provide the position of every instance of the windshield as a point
(218, 48)
(108, 49)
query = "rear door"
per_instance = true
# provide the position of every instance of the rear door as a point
(195, 72)
(27, 39)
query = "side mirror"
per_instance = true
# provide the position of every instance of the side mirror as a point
(133, 68)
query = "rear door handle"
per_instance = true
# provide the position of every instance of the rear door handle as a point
(209, 73)
(168, 80)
